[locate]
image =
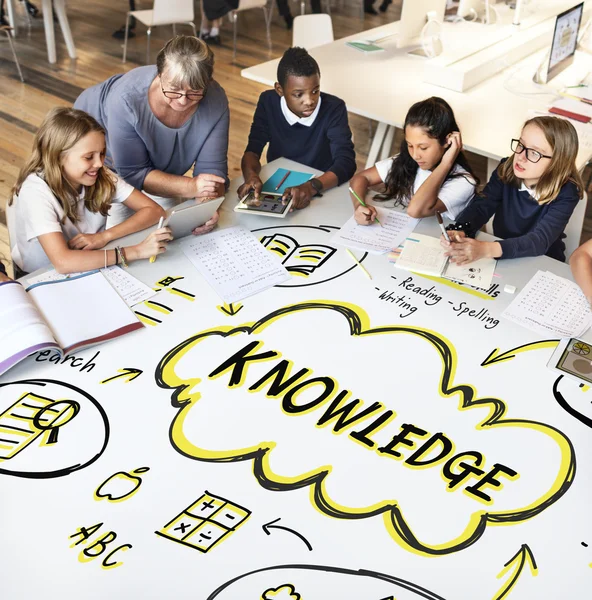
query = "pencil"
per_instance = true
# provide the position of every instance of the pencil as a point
(363, 203)
(358, 263)
(160, 222)
(441, 223)
(279, 185)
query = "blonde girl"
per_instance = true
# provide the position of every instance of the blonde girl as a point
(532, 195)
(62, 198)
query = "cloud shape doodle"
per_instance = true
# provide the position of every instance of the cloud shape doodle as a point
(283, 592)
(214, 422)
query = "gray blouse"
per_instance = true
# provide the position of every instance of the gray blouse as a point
(137, 142)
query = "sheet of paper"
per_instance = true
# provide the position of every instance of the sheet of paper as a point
(396, 226)
(235, 263)
(551, 305)
(422, 254)
(82, 311)
(477, 274)
(22, 329)
(132, 290)
(294, 179)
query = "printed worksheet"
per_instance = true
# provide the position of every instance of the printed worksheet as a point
(550, 304)
(377, 238)
(235, 263)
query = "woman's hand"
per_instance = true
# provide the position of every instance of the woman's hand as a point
(206, 185)
(154, 244)
(253, 184)
(365, 215)
(208, 225)
(89, 241)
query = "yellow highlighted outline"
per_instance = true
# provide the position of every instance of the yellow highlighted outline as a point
(395, 522)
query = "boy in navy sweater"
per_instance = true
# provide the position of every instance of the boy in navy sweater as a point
(302, 124)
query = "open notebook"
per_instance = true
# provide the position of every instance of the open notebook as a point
(65, 315)
(424, 254)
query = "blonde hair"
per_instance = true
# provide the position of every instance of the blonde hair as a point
(563, 139)
(61, 129)
(188, 61)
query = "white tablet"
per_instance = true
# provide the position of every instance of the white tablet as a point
(185, 217)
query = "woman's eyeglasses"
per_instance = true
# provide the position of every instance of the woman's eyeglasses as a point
(531, 155)
(192, 96)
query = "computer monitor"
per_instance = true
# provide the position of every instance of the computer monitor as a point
(414, 16)
(565, 40)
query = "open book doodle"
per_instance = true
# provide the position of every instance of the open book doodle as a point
(55, 315)
(298, 260)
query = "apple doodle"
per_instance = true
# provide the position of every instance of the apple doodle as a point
(121, 485)
(442, 450)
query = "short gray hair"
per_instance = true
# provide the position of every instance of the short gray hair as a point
(188, 60)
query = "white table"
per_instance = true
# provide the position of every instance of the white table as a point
(412, 536)
(48, 6)
(383, 85)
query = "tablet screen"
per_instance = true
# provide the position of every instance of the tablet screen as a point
(268, 204)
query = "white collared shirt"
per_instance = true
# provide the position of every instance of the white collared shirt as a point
(293, 119)
(532, 192)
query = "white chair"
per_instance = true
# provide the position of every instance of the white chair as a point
(573, 231)
(164, 12)
(248, 5)
(312, 30)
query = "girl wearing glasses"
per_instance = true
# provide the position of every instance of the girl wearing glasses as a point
(163, 120)
(531, 196)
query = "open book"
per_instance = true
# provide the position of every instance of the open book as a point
(424, 255)
(65, 315)
(297, 259)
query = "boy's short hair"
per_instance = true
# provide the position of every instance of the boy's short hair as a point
(296, 62)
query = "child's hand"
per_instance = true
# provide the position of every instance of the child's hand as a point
(208, 226)
(455, 236)
(89, 241)
(454, 147)
(365, 215)
(253, 184)
(301, 195)
(154, 244)
(466, 250)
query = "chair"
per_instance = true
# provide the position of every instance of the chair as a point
(164, 12)
(7, 30)
(247, 5)
(573, 231)
(312, 30)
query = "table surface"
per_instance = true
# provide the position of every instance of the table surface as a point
(151, 454)
(383, 85)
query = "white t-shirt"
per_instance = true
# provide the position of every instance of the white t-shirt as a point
(455, 193)
(36, 211)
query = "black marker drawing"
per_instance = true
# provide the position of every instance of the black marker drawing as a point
(39, 414)
(568, 406)
(272, 525)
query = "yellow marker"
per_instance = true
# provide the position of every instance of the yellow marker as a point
(358, 263)
(160, 222)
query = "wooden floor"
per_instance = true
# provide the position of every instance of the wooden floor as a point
(23, 106)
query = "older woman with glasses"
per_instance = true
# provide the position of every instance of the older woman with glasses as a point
(162, 120)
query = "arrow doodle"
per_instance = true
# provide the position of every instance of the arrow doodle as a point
(518, 560)
(495, 356)
(230, 309)
(272, 525)
(129, 374)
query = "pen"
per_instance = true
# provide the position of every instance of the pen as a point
(160, 222)
(358, 263)
(441, 223)
(279, 185)
(363, 204)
